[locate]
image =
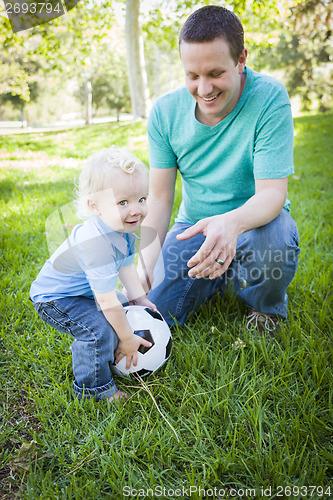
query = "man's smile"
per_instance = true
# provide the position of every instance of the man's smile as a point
(209, 99)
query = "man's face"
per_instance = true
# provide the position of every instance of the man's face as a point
(212, 78)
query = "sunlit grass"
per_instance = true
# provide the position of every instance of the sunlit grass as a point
(254, 417)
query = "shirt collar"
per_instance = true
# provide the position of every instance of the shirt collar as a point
(119, 240)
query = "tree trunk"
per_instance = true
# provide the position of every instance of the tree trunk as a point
(137, 76)
(22, 116)
(157, 71)
(88, 99)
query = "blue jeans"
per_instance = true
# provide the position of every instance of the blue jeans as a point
(266, 258)
(94, 342)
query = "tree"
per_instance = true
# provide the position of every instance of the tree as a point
(109, 81)
(66, 44)
(305, 52)
(111, 91)
(18, 90)
(13, 79)
(137, 76)
(70, 44)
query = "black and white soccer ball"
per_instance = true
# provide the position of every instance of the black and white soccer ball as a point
(151, 326)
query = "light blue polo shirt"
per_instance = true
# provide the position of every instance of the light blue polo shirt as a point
(88, 261)
(219, 165)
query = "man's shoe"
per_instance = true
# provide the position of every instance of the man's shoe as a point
(260, 324)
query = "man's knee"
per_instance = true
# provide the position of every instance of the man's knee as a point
(268, 252)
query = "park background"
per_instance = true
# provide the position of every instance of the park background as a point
(227, 412)
(104, 58)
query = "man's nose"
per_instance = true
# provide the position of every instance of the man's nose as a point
(205, 87)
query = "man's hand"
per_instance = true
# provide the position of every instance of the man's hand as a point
(222, 231)
(129, 347)
(221, 242)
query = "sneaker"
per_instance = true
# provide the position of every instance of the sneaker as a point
(261, 324)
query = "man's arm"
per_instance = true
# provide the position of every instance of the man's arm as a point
(160, 202)
(264, 206)
(115, 314)
(222, 231)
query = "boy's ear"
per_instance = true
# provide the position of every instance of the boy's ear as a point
(93, 207)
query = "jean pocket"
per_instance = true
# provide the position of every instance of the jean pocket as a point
(54, 317)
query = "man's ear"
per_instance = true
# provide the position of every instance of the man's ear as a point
(93, 207)
(242, 61)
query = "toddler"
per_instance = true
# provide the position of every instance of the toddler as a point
(75, 292)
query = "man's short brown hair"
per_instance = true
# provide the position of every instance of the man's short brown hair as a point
(211, 22)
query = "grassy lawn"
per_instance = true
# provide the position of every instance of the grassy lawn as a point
(257, 419)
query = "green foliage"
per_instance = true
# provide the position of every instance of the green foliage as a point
(111, 92)
(110, 89)
(305, 52)
(74, 44)
(18, 96)
(64, 44)
(261, 22)
(165, 21)
(13, 79)
(252, 417)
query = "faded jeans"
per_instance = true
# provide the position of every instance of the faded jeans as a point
(94, 342)
(266, 259)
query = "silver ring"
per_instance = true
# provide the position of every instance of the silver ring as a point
(219, 261)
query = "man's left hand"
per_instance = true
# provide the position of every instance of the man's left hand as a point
(220, 243)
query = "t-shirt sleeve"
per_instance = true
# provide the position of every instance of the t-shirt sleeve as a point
(273, 151)
(161, 154)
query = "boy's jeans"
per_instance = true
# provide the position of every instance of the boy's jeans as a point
(266, 259)
(94, 342)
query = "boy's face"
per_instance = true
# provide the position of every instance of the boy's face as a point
(123, 206)
(212, 78)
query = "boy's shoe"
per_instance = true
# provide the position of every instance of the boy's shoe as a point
(262, 324)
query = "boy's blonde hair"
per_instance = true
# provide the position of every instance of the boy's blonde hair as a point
(100, 170)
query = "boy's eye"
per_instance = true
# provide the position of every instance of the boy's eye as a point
(123, 203)
(142, 200)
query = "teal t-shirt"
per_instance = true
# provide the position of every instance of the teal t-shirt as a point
(219, 165)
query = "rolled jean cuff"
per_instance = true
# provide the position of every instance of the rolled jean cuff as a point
(103, 392)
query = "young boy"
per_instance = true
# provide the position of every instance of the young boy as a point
(75, 290)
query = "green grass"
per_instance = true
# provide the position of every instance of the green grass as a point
(250, 419)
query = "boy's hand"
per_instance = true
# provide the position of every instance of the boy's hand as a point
(129, 347)
(143, 301)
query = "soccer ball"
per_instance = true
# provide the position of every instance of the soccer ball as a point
(151, 326)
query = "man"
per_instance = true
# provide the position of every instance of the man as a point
(229, 132)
